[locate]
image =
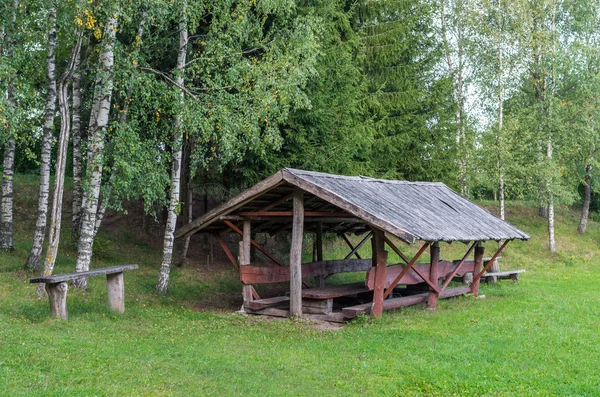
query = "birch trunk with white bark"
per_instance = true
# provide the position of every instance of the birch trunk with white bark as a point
(6, 217)
(6, 214)
(76, 136)
(95, 155)
(35, 255)
(63, 143)
(165, 267)
(587, 199)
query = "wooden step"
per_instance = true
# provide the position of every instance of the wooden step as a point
(268, 302)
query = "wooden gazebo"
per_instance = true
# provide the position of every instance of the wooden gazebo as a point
(302, 202)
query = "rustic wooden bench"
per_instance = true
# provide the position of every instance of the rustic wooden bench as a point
(56, 287)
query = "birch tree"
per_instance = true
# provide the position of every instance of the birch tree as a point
(6, 214)
(96, 131)
(63, 142)
(165, 267)
(33, 261)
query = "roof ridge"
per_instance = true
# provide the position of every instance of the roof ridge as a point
(298, 172)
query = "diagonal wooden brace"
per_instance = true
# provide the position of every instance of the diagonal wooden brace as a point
(405, 259)
(449, 278)
(355, 249)
(226, 250)
(490, 262)
(408, 266)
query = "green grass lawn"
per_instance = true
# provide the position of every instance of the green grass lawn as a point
(538, 337)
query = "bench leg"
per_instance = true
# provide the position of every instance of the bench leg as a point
(116, 292)
(57, 295)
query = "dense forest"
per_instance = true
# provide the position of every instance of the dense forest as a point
(156, 101)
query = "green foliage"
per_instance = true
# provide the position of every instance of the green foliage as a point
(408, 101)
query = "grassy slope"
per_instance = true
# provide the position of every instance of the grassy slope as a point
(537, 337)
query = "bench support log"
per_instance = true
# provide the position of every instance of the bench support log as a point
(116, 292)
(57, 295)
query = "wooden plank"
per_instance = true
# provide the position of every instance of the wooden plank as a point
(296, 254)
(336, 317)
(334, 291)
(226, 250)
(59, 278)
(353, 209)
(269, 274)
(236, 202)
(388, 304)
(290, 214)
(379, 289)
(405, 270)
(504, 273)
(259, 304)
(412, 277)
(317, 306)
(491, 261)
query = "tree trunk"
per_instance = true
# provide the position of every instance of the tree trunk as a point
(188, 196)
(35, 255)
(63, 143)
(76, 136)
(165, 268)
(95, 155)
(6, 222)
(551, 239)
(587, 198)
(500, 114)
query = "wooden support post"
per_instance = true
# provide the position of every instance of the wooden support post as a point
(296, 254)
(245, 252)
(379, 261)
(57, 295)
(478, 258)
(377, 308)
(116, 292)
(434, 253)
(319, 280)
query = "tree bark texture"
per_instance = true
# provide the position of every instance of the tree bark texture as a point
(35, 255)
(6, 218)
(76, 136)
(95, 154)
(587, 199)
(165, 268)
(61, 163)
(6, 214)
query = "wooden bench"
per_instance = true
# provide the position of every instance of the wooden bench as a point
(314, 300)
(56, 287)
(506, 275)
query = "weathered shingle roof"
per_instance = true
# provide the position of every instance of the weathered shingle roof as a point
(411, 211)
(429, 211)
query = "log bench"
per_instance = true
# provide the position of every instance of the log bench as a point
(56, 287)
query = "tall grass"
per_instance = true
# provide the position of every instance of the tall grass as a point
(538, 337)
